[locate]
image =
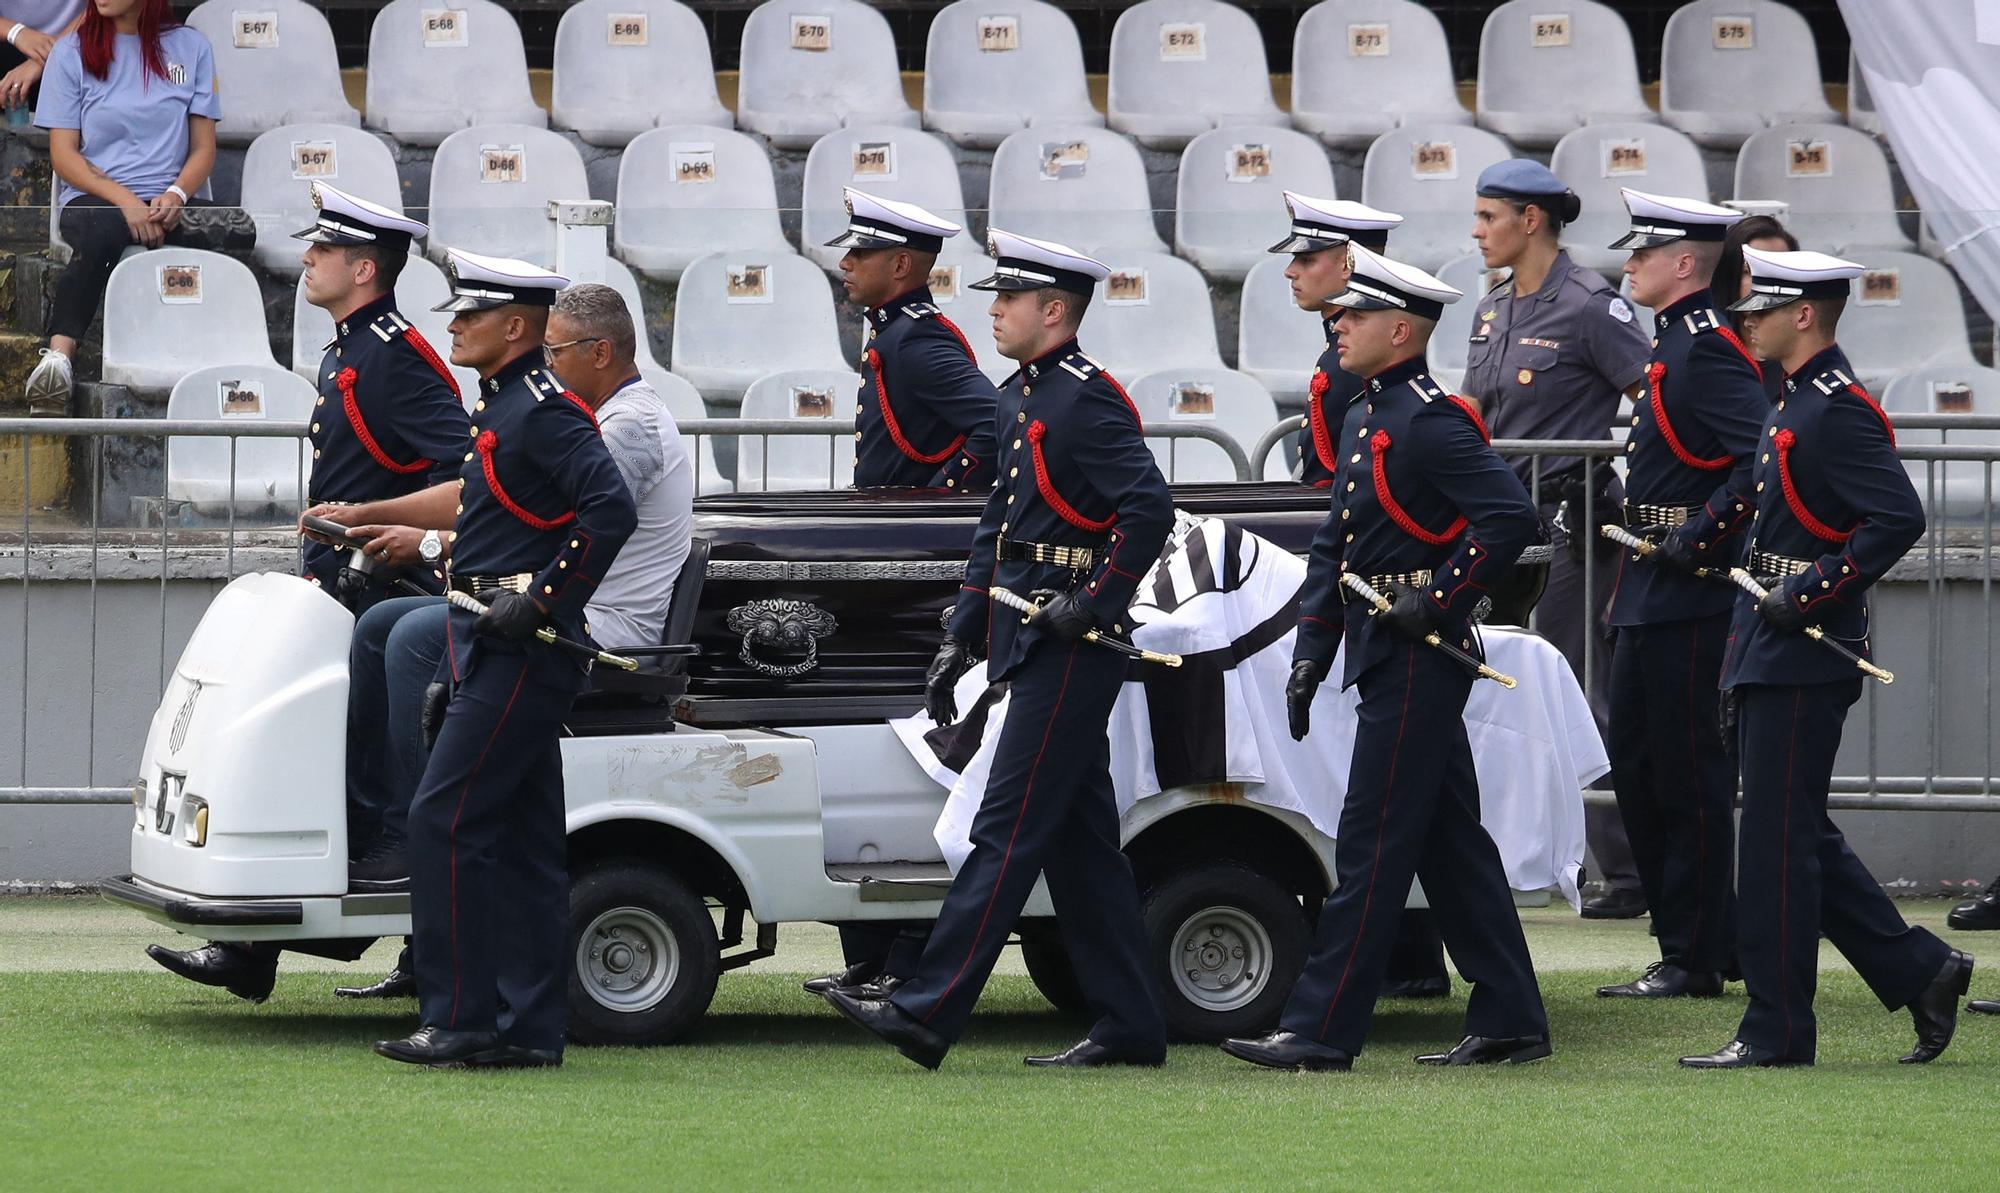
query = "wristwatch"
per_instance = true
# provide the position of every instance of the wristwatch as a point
(432, 547)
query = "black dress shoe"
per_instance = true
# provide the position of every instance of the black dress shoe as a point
(1936, 1009)
(513, 1056)
(1983, 1006)
(398, 983)
(1290, 1050)
(441, 1049)
(1089, 1054)
(1486, 1050)
(860, 973)
(881, 987)
(890, 1024)
(1980, 913)
(1618, 903)
(219, 964)
(1434, 987)
(1662, 980)
(1738, 1055)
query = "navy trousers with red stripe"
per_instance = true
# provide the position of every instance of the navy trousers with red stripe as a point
(1676, 784)
(1798, 877)
(1412, 810)
(1048, 809)
(489, 884)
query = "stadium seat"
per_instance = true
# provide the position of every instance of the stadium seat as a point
(1182, 67)
(1953, 489)
(275, 63)
(490, 188)
(989, 75)
(278, 172)
(1426, 173)
(1545, 69)
(1276, 342)
(1451, 342)
(1152, 313)
(683, 401)
(1231, 402)
(1597, 159)
(1861, 111)
(1835, 180)
(420, 287)
(1363, 67)
(812, 66)
(1229, 203)
(686, 191)
(433, 71)
(170, 311)
(1730, 68)
(739, 315)
(625, 66)
(1905, 313)
(1965, 388)
(882, 159)
(268, 473)
(1080, 186)
(798, 461)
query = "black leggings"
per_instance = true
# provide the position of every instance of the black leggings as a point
(97, 235)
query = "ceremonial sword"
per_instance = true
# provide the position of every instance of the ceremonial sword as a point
(1625, 538)
(1748, 583)
(1022, 604)
(469, 603)
(1366, 591)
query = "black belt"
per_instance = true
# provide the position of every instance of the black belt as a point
(474, 583)
(1075, 558)
(1644, 513)
(1766, 563)
(1416, 579)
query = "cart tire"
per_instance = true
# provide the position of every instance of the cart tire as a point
(643, 955)
(1228, 943)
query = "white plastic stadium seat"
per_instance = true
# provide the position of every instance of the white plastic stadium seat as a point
(1730, 68)
(625, 66)
(1229, 203)
(1152, 313)
(1451, 342)
(170, 311)
(1427, 173)
(1229, 401)
(490, 188)
(958, 266)
(811, 66)
(891, 162)
(1276, 342)
(798, 461)
(1944, 389)
(1861, 111)
(438, 66)
(988, 74)
(1080, 186)
(1598, 159)
(278, 172)
(1953, 489)
(419, 287)
(739, 315)
(688, 190)
(1549, 66)
(275, 63)
(1363, 67)
(1904, 313)
(267, 472)
(1182, 67)
(1835, 179)
(683, 401)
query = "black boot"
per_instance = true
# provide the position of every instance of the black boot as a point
(244, 971)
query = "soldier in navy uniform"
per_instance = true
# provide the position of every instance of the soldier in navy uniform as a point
(925, 415)
(1426, 512)
(1687, 489)
(389, 420)
(1080, 513)
(542, 513)
(1833, 511)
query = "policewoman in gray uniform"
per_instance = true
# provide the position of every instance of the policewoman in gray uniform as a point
(1552, 349)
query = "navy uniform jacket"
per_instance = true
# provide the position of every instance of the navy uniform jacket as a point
(1828, 488)
(1694, 438)
(539, 494)
(1326, 401)
(925, 414)
(1418, 488)
(388, 421)
(1074, 471)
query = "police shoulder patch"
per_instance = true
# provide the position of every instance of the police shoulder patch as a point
(1620, 309)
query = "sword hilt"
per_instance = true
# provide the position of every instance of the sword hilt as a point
(1748, 583)
(472, 604)
(1644, 548)
(1368, 592)
(1021, 604)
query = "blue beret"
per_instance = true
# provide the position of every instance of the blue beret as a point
(1519, 178)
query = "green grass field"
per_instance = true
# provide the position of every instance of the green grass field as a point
(119, 1076)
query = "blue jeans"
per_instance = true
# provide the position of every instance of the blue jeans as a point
(393, 658)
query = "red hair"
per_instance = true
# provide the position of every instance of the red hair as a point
(95, 38)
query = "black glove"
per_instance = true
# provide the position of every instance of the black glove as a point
(509, 616)
(1603, 510)
(953, 660)
(1299, 691)
(1675, 555)
(1725, 721)
(1062, 615)
(1413, 615)
(1782, 611)
(430, 716)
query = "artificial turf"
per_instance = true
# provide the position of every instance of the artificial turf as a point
(122, 1077)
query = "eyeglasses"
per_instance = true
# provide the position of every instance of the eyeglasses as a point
(549, 350)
